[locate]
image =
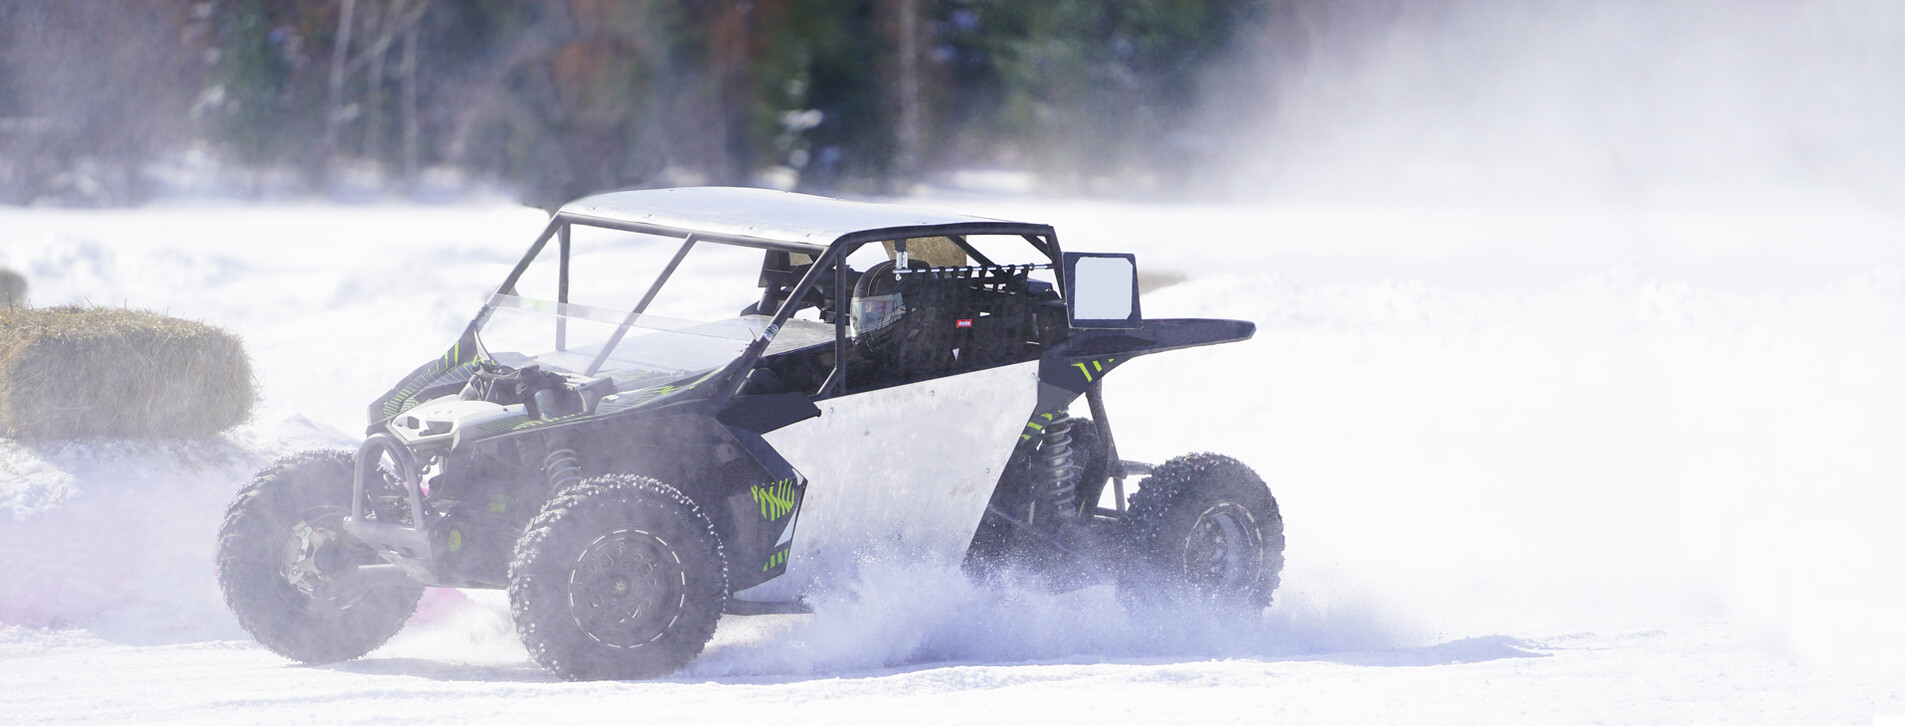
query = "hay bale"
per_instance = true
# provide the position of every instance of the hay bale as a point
(12, 288)
(1149, 280)
(80, 371)
(935, 251)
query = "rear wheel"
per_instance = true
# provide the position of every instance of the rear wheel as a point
(619, 577)
(1206, 534)
(288, 568)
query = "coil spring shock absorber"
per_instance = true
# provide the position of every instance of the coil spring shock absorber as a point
(1059, 495)
(563, 468)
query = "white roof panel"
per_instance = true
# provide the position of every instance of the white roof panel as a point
(763, 214)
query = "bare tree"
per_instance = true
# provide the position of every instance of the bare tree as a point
(340, 52)
(100, 88)
(909, 132)
(409, 76)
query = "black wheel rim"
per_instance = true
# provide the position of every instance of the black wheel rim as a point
(1223, 550)
(627, 589)
(317, 558)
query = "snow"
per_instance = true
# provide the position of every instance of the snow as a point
(1537, 464)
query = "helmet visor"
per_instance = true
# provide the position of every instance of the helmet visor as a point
(874, 312)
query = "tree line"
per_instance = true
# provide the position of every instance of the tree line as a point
(557, 98)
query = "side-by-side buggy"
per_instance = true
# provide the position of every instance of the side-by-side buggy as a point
(689, 402)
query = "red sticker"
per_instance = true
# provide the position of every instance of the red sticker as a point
(963, 323)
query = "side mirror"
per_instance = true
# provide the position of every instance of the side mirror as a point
(1101, 290)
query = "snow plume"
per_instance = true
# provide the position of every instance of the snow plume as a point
(117, 535)
(894, 616)
(1619, 452)
(1622, 101)
(1607, 331)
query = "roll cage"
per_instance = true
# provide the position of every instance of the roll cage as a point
(783, 226)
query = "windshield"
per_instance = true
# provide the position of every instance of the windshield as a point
(572, 339)
(569, 308)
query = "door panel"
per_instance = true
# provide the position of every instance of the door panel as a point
(898, 473)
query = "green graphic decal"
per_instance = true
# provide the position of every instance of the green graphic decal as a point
(774, 560)
(645, 396)
(1096, 366)
(404, 399)
(1034, 425)
(776, 499)
(454, 366)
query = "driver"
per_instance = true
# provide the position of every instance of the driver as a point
(891, 322)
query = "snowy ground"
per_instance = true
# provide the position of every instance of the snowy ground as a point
(1616, 465)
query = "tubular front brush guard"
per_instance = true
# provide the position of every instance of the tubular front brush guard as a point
(410, 542)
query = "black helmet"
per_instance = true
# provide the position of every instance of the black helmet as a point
(894, 316)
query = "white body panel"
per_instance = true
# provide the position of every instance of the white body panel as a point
(453, 410)
(903, 472)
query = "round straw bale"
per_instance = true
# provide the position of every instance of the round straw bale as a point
(12, 288)
(86, 371)
(935, 251)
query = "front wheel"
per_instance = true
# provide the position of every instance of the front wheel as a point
(1205, 533)
(619, 577)
(287, 566)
